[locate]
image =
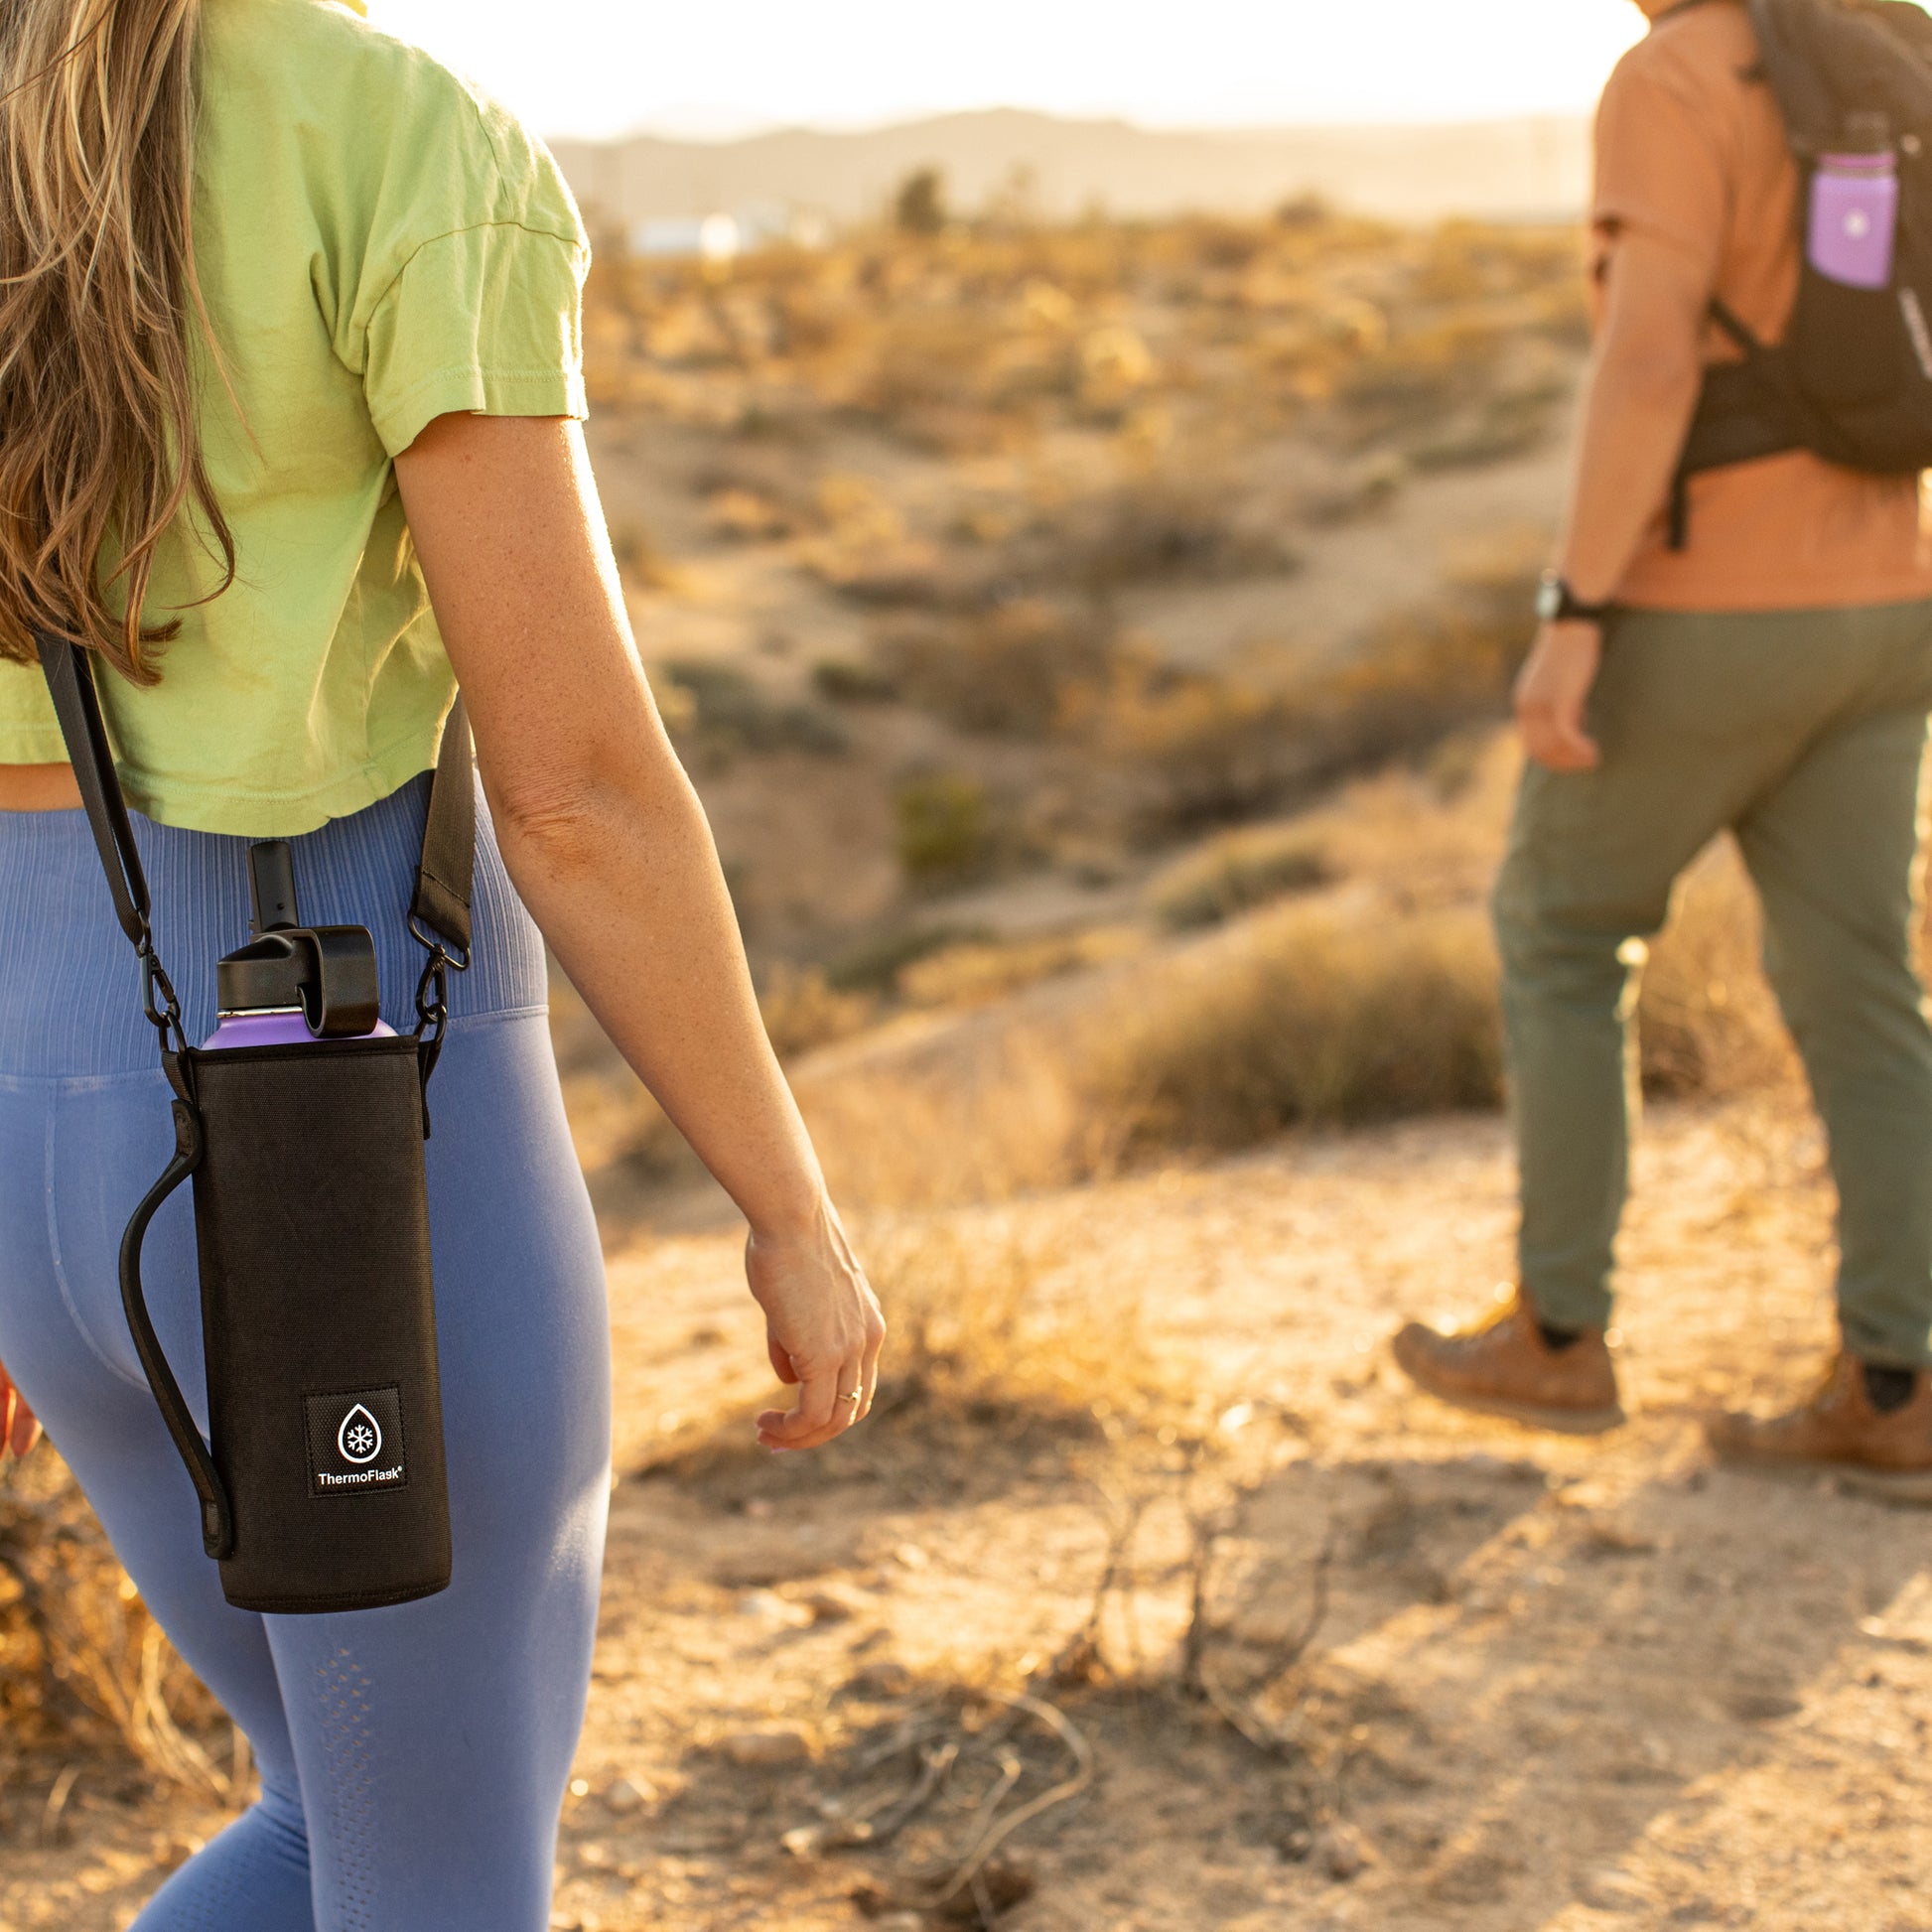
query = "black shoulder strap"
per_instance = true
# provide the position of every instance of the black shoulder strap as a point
(70, 680)
(446, 875)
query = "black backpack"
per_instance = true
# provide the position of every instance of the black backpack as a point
(1852, 380)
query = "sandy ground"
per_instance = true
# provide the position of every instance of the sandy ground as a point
(1535, 1683)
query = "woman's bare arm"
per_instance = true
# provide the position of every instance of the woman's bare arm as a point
(609, 846)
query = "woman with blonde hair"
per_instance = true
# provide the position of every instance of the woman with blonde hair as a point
(288, 442)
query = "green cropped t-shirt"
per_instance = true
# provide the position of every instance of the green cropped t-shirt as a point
(378, 245)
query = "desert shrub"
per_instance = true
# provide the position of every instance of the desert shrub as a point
(741, 515)
(978, 971)
(1419, 677)
(83, 1666)
(945, 827)
(1006, 672)
(874, 964)
(1239, 870)
(1708, 1019)
(983, 1316)
(973, 1118)
(641, 561)
(1306, 1017)
(804, 1010)
(1176, 524)
(1197, 749)
(728, 712)
(919, 206)
(851, 680)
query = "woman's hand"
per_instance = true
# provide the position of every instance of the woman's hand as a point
(1553, 693)
(19, 1430)
(822, 1327)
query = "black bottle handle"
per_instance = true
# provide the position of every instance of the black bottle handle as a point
(217, 1516)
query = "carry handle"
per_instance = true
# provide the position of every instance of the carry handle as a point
(217, 1515)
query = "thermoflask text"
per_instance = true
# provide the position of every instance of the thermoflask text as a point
(1854, 207)
(301, 1123)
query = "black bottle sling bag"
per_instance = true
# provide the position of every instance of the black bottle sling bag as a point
(322, 1482)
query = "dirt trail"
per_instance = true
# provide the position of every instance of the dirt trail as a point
(1555, 1685)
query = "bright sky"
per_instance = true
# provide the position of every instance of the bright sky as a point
(727, 66)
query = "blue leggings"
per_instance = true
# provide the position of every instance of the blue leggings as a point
(413, 1759)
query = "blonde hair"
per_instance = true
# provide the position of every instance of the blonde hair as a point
(100, 446)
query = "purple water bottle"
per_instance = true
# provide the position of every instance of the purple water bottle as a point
(1855, 206)
(292, 983)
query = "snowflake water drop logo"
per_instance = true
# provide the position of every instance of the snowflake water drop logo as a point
(359, 1439)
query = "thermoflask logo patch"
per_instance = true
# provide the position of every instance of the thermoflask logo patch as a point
(354, 1440)
(360, 1437)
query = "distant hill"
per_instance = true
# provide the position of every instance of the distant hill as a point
(1502, 169)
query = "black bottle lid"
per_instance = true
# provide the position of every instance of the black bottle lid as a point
(264, 976)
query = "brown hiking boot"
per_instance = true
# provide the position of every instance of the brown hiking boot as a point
(1504, 1367)
(1886, 1454)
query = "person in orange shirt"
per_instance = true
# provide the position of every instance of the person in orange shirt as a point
(1761, 662)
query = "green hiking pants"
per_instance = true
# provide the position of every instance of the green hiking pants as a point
(1804, 734)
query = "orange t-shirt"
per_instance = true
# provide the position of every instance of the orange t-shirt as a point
(1693, 152)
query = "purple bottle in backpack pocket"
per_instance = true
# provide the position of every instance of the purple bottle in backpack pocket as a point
(1854, 207)
(293, 983)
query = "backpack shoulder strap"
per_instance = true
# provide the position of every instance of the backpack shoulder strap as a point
(1824, 58)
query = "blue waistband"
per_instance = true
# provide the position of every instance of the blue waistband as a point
(70, 987)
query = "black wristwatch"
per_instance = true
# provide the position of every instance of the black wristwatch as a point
(1556, 603)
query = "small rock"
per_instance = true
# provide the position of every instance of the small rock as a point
(833, 1603)
(770, 1608)
(808, 1840)
(883, 1680)
(900, 1922)
(1764, 1707)
(909, 1555)
(625, 1795)
(787, 1745)
(1611, 1890)
(1343, 1853)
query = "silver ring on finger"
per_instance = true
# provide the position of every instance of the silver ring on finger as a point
(857, 1395)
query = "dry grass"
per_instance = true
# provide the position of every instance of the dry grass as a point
(1195, 749)
(1707, 1018)
(84, 1667)
(998, 1115)
(1238, 871)
(986, 1315)
(1006, 672)
(1372, 992)
(980, 972)
(946, 830)
(803, 1010)
(1308, 1015)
